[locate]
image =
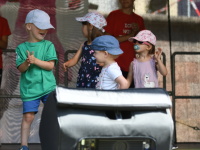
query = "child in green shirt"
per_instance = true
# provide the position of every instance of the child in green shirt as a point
(35, 60)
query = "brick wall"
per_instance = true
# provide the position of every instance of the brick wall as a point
(185, 36)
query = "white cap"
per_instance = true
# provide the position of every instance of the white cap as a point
(39, 18)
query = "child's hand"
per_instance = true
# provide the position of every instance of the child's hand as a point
(66, 65)
(31, 58)
(158, 54)
(159, 64)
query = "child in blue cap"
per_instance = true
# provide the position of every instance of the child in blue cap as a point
(35, 60)
(106, 51)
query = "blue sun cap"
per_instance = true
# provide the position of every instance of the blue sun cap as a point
(107, 43)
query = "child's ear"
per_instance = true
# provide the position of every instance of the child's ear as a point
(28, 26)
(106, 53)
(149, 47)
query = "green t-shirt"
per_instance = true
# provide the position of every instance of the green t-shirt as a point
(36, 82)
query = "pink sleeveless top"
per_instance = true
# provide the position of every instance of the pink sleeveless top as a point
(145, 74)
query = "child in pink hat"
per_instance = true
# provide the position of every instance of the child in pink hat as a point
(143, 69)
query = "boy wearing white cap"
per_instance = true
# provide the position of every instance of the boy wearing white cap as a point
(106, 51)
(35, 60)
(143, 69)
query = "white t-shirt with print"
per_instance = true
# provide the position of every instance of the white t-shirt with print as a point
(107, 77)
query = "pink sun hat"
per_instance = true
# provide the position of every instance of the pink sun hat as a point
(144, 36)
(94, 18)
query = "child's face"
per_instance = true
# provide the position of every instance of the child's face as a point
(85, 29)
(100, 56)
(35, 33)
(142, 46)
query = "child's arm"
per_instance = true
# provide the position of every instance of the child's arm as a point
(130, 74)
(31, 59)
(46, 65)
(122, 38)
(74, 60)
(160, 66)
(4, 42)
(122, 82)
(24, 66)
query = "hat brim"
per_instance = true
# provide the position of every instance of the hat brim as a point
(135, 38)
(43, 26)
(132, 38)
(81, 19)
(115, 51)
(112, 51)
(84, 19)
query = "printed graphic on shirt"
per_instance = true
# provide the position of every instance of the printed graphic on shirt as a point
(129, 27)
(147, 82)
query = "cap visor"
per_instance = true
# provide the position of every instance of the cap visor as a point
(115, 51)
(135, 38)
(81, 19)
(43, 26)
(131, 39)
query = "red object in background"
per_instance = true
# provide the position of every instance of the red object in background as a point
(13, 0)
(74, 4)
(198, 5)
(195, 7)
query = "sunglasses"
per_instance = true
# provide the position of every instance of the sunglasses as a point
(140, 42)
